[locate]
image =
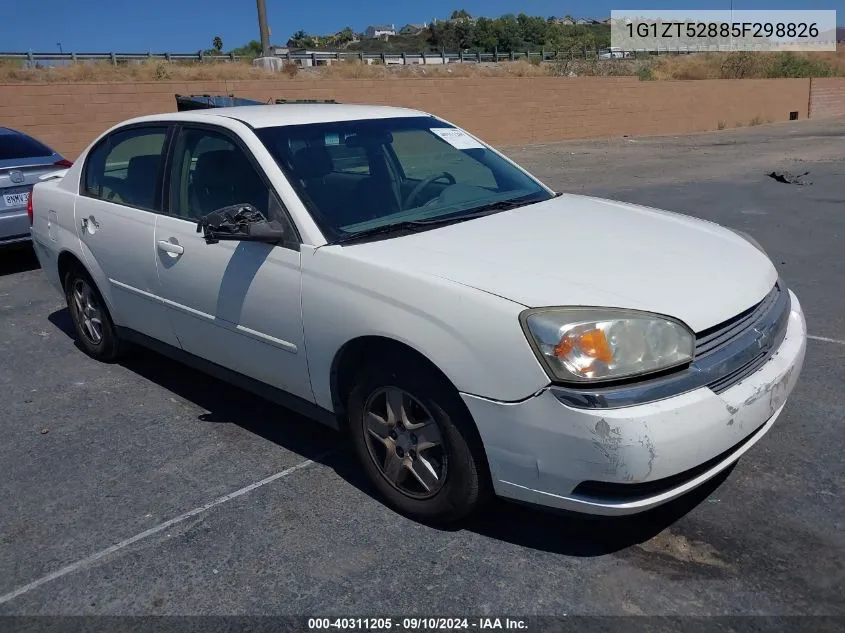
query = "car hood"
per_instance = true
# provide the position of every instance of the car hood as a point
(579, 250)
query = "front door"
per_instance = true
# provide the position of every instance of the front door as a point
(236, 304)
(115, 215)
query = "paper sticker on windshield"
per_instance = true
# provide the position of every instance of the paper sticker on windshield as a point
(457, 138)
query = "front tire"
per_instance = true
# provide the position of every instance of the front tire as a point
(416, 441)
(95, 331)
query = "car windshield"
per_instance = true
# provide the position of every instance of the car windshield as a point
(367, 176)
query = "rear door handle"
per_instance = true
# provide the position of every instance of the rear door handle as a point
(170, 247)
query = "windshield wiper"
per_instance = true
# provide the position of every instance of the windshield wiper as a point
(477, 212)
(416, 225)
(379, 230)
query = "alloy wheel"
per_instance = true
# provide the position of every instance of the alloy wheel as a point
(405, 442)
(88, 312)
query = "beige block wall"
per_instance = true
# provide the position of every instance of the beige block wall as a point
(827, 97)
(502, 110)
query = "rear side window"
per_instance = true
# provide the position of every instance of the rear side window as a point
(17, 145)
(126, 168)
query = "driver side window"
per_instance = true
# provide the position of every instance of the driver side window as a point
(209, 172)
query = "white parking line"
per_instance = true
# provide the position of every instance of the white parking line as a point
(69, 569)
(824, 339)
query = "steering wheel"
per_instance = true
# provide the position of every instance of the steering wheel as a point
(425, 183)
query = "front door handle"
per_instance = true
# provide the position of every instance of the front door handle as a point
(170, 247)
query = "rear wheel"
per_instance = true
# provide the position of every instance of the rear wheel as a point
(416, 442)
(95, 331)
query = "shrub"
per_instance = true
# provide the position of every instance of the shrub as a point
(645, 74)
(739, 65)
(161, 72)
(791, 65)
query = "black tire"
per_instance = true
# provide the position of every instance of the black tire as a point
(466, 484)
(109, 346)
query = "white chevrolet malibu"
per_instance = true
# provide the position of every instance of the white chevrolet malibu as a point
(387, 273)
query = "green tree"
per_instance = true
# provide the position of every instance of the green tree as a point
(508, 33)
(252, 49)
(301, 39)
(461, 14)
(484, 35)
(533, 29)
(217, 44)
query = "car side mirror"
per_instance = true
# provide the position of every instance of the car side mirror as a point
(239, 222)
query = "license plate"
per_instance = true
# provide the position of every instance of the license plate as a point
(16, 199)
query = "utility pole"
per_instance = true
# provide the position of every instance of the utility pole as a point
(262, 26)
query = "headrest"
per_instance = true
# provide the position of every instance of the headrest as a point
(143, 167)
(312, 162)
(211, 165)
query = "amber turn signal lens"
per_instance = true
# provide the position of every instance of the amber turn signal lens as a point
(592, 343)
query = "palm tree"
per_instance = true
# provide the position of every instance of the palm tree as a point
(217, 43)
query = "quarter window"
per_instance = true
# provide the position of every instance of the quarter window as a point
(125, 168)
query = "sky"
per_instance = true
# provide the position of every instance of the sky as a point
(182, 26)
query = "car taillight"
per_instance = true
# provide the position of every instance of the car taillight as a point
(29, 207)
(63, 163)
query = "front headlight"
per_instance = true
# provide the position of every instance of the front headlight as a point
(601, 344)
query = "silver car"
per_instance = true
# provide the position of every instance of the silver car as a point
(23, 160)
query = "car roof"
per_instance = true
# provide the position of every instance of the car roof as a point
(259, 116)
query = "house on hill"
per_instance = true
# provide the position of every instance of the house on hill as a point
(381, 31)
(413, 29)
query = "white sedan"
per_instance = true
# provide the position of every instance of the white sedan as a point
(387, 273)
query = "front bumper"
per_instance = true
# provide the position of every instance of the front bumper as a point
(630, 459)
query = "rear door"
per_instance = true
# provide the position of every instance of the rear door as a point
(236, 304)
(22, 160)
(116, 212)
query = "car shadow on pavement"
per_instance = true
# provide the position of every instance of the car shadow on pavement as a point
(18, 258)
(581, 535)
(526, 526)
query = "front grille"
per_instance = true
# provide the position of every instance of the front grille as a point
(720, 335)
(771, 315)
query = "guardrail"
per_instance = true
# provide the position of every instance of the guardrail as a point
(318, 57)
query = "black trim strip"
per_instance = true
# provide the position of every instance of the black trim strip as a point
(263, 390)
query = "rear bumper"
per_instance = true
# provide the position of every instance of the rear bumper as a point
(631, 459)
(48, 260)
(14, 227)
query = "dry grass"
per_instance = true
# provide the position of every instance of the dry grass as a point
(702, 66)
(747, 65)
(159, 70)
(152, 70)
